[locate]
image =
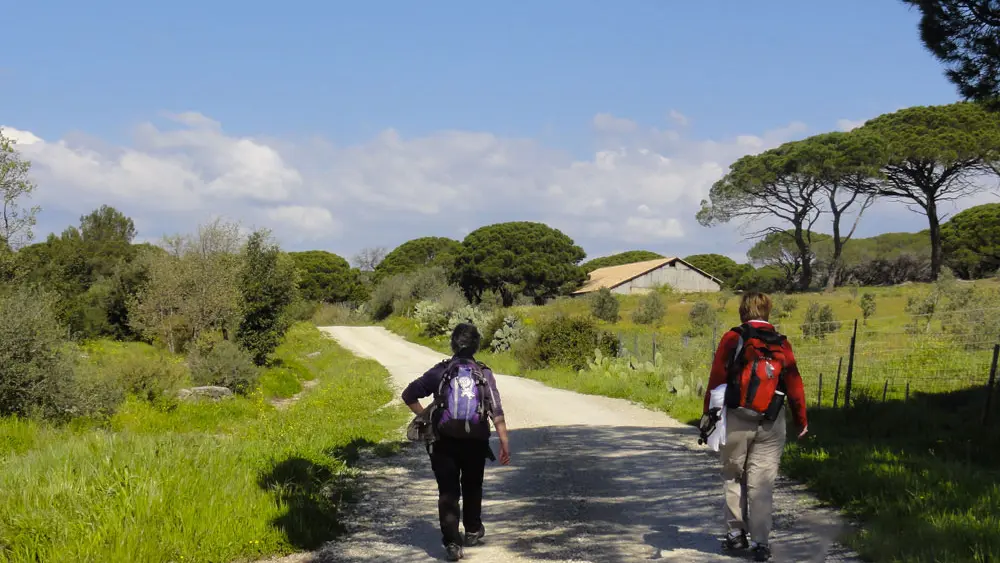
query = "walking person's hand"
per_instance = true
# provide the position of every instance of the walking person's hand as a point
(805, 430)
(504, 452)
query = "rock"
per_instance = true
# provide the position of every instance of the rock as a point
(211, 392)
(312, 355)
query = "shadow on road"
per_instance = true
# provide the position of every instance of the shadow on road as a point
(585, 493)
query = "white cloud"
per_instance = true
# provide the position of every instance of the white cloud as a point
(850, 124)
(311, 223)
(607, 123)
(640, 190)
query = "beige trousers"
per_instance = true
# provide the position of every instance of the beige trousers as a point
(750, 461)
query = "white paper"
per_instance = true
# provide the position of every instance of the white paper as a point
(718, 399)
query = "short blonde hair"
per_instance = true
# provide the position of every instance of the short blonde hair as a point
(755, 306)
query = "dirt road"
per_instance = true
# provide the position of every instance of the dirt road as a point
(591, 479)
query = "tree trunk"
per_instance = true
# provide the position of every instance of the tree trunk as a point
(507, 296)
(805, 275)
(838, 248)
(935, 228)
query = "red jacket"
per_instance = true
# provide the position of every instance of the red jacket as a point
(793, 381)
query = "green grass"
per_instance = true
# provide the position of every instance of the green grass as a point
(199, 482)
(923, 476)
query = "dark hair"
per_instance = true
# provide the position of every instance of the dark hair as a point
(465, 340)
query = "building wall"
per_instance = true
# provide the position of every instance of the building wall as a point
(675, 274)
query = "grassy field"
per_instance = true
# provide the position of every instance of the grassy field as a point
(227, 481)
(922, 475)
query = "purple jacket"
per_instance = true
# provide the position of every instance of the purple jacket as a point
(427, 384)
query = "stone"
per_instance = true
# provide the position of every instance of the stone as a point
(211, 392)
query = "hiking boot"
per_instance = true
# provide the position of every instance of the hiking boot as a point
(761, 552)
(454, 552)
(736, 541)
(473, 539)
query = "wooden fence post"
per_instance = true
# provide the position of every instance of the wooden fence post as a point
(638, 353)
(836, 386)
(991, 385)
(819, 394)
(850, 368)
(907, 391)
(654, 347)
(885, 391)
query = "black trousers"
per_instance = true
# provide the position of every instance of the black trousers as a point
(458, 466)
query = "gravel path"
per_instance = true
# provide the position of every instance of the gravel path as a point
(591, 479)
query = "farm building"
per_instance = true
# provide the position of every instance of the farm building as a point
(642, 277)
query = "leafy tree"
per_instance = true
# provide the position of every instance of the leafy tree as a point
(722, 267)
(417, 254)
(761, 188)
(324, 276)
(16, 222)
(767, 279)
(965, 36)
(156, 310)
(268, 284)
(868, 305)
(651, 309)
(514, 258)
(620, 259)
(934, 154)
(971, 241)
(844, 165)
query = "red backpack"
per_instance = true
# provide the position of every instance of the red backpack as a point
(755, 380)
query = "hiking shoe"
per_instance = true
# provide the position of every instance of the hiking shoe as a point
(761, 552)
(473, 539)
(454, 552)
(736, 541)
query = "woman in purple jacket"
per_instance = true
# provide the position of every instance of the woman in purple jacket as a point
(459, 463)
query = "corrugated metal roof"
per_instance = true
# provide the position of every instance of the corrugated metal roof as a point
(613, 276)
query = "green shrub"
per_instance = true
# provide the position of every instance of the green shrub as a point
(495, 323)
(604, 305)
(141, 370)
(867, 305)
(226, 365)
(819, 321)
(398, 294)
(651, 309)
(470, 314)
(702, 317)
(569, 342)
(432, 317)
(36, 373)
(302, 310)
(783, 306)
(509, 334)
(337, 314)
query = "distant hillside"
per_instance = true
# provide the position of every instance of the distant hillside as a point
(628, 257)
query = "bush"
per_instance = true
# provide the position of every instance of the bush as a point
(651, 309)
(867, 305)
(702, 317)
(139, 369)
(470, 314)
(783, 306)
(36, 373)
(337, 314)
(398, 294)
(819, 321)
(604, 305)
(570, 342)
(226, 365)
(433, 319)
(302, 310)
(495, 323)
(509, 334)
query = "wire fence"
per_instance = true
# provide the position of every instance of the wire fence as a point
(877, 359)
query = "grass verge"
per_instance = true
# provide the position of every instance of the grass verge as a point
(196, 482)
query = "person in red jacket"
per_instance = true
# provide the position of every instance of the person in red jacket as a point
(754, 444)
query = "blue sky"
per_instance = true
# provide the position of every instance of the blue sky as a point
(314, 87)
